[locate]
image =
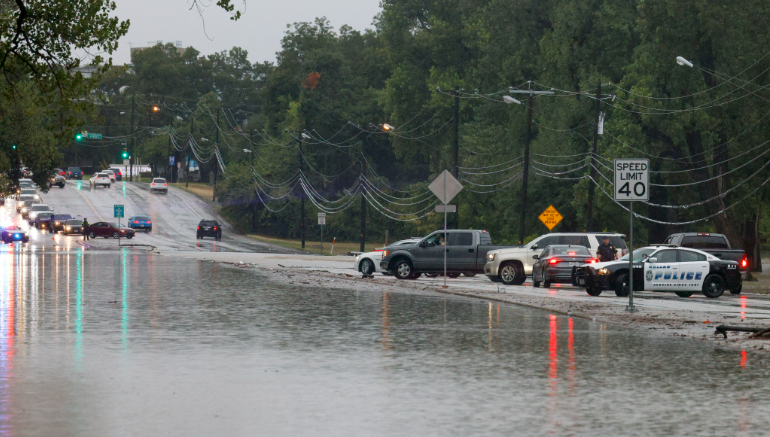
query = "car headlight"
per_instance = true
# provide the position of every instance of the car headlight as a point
(24, 209)
(57, 223)
(385, 253)
(69, 228)
(491, 256)
(603, 271)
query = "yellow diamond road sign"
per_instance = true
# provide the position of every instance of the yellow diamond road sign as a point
(550, 217)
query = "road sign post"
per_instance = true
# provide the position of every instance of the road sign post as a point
(550, 218)
(445, 187)
(632, 184)
(322, 222)
(118, 213)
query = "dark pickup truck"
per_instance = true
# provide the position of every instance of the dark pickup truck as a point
(466, 252)
(715, 244)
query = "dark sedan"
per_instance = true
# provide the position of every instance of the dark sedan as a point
(58, 221)
(555, 264)
(107, 230)
(72, 226)
(43, 221)
(12, 234)
(209, 228)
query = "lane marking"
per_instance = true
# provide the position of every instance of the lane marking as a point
(101, 219)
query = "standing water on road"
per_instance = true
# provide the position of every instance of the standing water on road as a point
(128, 343)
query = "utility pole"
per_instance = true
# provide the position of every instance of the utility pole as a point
(525, 174)
(257, 197)
(592, 170)
(301, 196)
(131, 153)
(168, 159)
(456, 149)
(216, 161)
(187, 161)
(363, 196)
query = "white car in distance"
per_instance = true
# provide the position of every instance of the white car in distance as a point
(369, 262)
(110, 174)
(34, 210)
(101, 179)
(159, 185)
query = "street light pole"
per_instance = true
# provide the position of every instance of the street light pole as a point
(187, 161)
(363, 197)
(457, 149)
(216, 162)
(301, 196)
(131, 153)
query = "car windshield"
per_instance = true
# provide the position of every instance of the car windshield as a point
(28, 191)
(159, 181)
(26, 198)
(74, 222)
(41, 208)
(114, 225)
(44, 215)
(640, 254)
(62, 217)
(74, 169)
(570, 251)
(141, 217)
(208, 223)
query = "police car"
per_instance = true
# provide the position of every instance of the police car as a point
(662, 268)
(13, 234)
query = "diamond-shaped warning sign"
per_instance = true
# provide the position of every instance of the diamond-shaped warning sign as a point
(550, 217)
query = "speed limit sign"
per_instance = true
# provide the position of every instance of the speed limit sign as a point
(632, 180)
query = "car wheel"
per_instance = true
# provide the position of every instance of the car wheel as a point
(546, 284)
(415, 275)
(737, 290)
(621, 285)
(403, 269)
(684, 293)
(594, 291)
(91, 235)
(453, 275)
(468, 274)
(512, 274)
(116, 235)
(367, 266)
(129, 236)
(713, 286)
(149, 230)
(431, 275)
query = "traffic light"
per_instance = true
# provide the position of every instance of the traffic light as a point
(124, 154)
(78, 137)
(14, 147)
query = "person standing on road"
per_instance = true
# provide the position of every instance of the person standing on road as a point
(86, 229)
(606, 252)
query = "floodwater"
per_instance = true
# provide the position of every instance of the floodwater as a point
(128, 343)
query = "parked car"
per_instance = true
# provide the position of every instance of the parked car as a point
(140, 222)
(59, 220)
(13, 234)
(511, 266)
(662, 268)
(72, 226)
(74, 173)
(107, 230)
(715, 244)
(159, 185)
(100, 179)
(209, 228)
(465, 253)
(118, 174)
(369, 262)
(555, 263)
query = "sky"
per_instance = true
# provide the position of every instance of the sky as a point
(259, 31)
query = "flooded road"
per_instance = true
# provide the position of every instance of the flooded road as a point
(128, 343)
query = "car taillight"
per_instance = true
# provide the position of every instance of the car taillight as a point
(591, 261)
(165, 184)
(153, 183)
(215, 228)
(571, 253)
(136, 222)
(744, 261)
(554, 261)
(199, 228)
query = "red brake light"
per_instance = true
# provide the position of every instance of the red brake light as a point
(199, 228)
(704, 234)
(554, 261)
(165, 184)
(744, 261)
(571, 253)
(215, 228)
(592, 261)
(136, 221)
(148, 222)
(153, 183)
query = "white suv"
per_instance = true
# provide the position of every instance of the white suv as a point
(101, 179)
(34, 210)
(160, 185)
(512, 266)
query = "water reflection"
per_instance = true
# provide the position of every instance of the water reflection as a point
(98, 342)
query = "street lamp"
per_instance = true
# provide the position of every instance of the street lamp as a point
(387, 127)
(510, 100)
(155, 108)
(683, 62)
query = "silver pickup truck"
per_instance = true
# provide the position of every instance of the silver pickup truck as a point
(466, 252)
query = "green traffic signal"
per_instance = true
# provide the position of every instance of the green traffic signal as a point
(14, 147)
(78, 137)
(125, 155)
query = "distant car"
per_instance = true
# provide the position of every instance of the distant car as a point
(100, 179)
(59, 172)
(24, 203)
(43, 222)
(74, 173)
(369, 262)
(58, 180)
(34, 210)
(58, 221)
(555, 263)
(111, 174)
(159, 185)
(107, 230)
(140, 222)
(209, 228)
(29, 191)
(118, 173)
(11, 234)
(72, 226)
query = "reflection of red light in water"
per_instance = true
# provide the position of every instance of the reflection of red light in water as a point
(553, 349)
(744, 355)
(571, 349)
